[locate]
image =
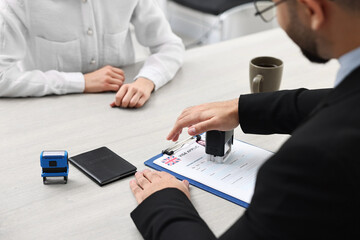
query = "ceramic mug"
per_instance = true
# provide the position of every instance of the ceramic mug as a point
(265, 74)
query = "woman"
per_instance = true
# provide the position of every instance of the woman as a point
(60, 47)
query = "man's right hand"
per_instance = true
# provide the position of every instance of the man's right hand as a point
(222, 116)
(105, 79)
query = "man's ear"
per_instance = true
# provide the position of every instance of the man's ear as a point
(315, 11)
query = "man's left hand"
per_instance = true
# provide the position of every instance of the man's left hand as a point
(148, 182)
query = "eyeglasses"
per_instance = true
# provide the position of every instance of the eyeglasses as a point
(266, 9)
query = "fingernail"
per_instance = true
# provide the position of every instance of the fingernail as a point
(192, 130)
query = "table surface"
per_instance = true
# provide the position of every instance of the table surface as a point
(77, 123)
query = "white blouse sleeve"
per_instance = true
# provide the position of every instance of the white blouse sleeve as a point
(167, 50)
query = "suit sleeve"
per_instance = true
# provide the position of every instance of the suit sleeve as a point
(277, 112)
(169, 214)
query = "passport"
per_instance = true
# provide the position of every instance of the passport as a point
(102, 165)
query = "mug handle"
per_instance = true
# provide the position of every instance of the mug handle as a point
(256, 83)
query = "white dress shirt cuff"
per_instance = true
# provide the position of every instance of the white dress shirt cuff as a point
(75, 82)
(157, 78)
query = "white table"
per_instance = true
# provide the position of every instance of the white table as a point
(81, 122)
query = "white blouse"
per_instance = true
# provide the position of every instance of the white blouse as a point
(46, 46)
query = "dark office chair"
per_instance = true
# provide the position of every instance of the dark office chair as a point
(214, 7)
(209, 21)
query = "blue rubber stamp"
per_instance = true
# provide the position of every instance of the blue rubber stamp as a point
(54, 164)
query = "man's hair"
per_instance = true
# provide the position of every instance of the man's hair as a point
(349, 5)
(353, 5)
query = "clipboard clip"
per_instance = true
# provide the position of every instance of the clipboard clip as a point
(171, 150)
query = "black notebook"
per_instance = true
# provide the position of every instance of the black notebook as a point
(103, 165)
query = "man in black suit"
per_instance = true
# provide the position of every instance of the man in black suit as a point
(309, 189)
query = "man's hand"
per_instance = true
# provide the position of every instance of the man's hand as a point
(149, 182)
(222, 116)
(105, 79)
(134, 95)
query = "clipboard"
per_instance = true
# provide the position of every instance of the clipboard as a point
(150, 163)
(178, 146)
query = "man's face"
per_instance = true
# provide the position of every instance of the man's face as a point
(289, 19)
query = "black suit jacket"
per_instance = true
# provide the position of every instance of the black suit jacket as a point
(309, 189)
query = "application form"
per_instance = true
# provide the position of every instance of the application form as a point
(235, 177)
